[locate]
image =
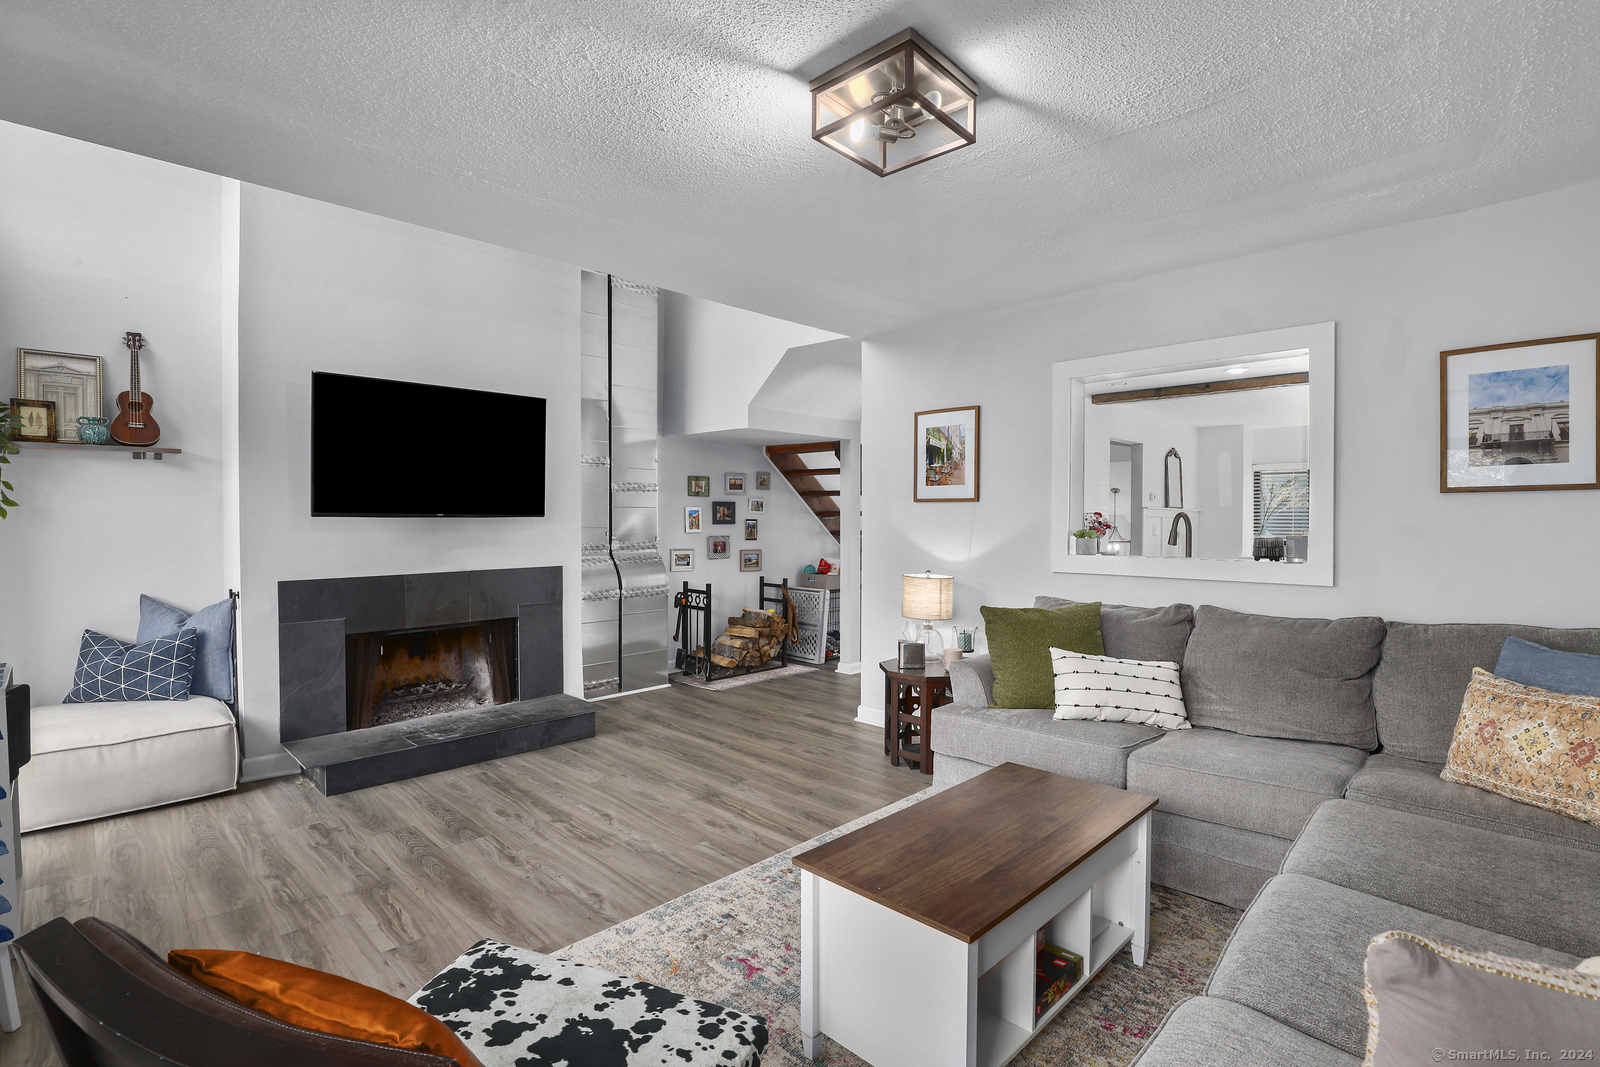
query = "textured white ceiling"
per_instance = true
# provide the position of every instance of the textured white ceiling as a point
(666, 140)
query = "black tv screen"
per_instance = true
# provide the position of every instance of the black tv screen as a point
(389, 449)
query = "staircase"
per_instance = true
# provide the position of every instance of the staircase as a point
(790, 462)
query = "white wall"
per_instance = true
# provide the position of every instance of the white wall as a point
(94, 242)
(790, 535)
(327, 288)
(1524, 269)
(714, 359)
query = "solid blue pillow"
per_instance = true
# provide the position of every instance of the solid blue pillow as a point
(213, 670)
(109, 669)
(1547, 668)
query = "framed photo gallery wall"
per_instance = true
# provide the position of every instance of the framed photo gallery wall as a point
(1520, 416)
(946, 460)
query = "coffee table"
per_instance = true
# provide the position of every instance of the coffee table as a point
(917, 931)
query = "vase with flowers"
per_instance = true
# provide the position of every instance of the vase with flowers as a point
(1086, 542)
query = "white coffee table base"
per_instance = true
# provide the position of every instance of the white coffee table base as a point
(898, 993)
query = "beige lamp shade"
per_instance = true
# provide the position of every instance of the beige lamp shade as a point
(927, 596)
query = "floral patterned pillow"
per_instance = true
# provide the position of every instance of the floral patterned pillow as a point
(1529, 745)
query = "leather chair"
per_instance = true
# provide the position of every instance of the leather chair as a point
(111, 1002)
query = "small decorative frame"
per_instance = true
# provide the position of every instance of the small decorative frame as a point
(680, 559)
(72, 380)
(757, 505)
(717, 546)
(750, 559)
(699, 485)
(693, 517)
(945, 461)
(1520, 416)
(750, 529)
(733, 482)
(38, 419)
(724, 513)
(763, 479)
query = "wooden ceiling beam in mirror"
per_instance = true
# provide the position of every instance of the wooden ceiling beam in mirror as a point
(1233, 385)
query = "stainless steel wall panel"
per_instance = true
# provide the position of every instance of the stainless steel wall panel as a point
(642, 632)
(643, 671)
(633, 526)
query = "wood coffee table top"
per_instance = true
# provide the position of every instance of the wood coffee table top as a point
(965, 859)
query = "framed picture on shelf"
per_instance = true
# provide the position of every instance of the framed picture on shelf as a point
(692, 518)
(722, 513)
(733, 482)
(757, 504)
(763, 479)
(681, 559)
(750, 559)
(946, 461)
(1520, 416)
(38, 419)
(73, 382)
(717, 546)
(699, 485)
(750, 529)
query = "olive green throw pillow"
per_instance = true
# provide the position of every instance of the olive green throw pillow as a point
(1020, 640)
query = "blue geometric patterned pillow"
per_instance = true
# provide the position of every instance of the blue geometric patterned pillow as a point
(109, 669)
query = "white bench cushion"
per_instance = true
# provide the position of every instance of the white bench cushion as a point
(99, 759)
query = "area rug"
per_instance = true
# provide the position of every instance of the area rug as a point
(736, 942)
(719, 684)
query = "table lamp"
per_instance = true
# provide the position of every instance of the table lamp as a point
(927, 597)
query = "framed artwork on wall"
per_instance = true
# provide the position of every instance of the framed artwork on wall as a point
(750, 559)
(699, 485)
(717, 546)
(67, 379)
(946, 461)
(36, 419)
(681, 559)
(733, 482)
(763, 479)
(757, 504)
(722, 513)
(750, 529)
(1520, 416)
(692, 518)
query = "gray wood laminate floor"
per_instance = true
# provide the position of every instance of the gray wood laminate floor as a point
(387, 885)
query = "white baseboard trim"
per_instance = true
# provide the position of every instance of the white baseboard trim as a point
(629, 693)
(276, 765)
(872, 716)
(848, 668)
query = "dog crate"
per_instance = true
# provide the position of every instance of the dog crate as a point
(817, 620)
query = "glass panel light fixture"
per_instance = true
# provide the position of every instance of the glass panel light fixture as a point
(897, 104)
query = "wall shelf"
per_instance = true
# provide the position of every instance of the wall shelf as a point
(136, 451)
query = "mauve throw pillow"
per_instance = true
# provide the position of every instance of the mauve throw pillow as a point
(1020, 640)
(1428, 1002)
(1548, 668)
(213, 626)
(1303, 679)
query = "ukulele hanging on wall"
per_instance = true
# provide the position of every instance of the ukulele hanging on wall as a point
(133, 424)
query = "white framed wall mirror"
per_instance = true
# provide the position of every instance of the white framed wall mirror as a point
(1210, 459)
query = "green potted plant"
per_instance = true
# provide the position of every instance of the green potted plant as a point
(1087, 540)
(8, 423)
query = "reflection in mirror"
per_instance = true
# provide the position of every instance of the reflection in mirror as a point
(1230, 452)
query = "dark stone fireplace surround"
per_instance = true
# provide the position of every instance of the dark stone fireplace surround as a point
(315, 617)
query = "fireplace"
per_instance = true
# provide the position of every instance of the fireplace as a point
(388, 677)
(398, 675)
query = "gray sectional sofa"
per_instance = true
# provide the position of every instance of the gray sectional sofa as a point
(1308, 792)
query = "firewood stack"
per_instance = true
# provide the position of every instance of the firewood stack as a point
(750, 639)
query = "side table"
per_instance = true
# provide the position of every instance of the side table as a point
(909, 697)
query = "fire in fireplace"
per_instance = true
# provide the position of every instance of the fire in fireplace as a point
(395, 675)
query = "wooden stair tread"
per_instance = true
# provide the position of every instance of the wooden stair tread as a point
(819, 492)
(802, 449)
(803, 479)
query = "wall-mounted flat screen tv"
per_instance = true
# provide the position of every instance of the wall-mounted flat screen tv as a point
(391, 449)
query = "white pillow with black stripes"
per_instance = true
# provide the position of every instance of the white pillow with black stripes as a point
(1118, 690)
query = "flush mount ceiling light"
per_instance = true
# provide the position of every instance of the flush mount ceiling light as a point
(895, 105)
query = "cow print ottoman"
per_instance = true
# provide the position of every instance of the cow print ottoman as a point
(517, 1008)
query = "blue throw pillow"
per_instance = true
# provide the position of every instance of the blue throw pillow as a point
(213, 670)
(109, 669)
(1547, 668)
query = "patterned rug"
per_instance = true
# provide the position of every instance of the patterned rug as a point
(736, 942)
(717, 685)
